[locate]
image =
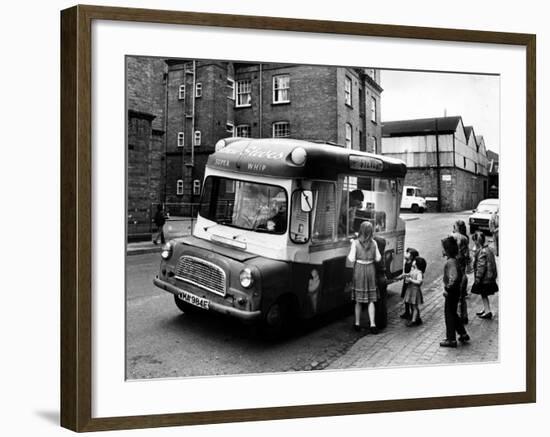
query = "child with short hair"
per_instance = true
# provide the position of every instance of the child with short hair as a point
(413, 294)
(452, 278)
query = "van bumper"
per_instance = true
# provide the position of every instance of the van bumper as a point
(246, 316)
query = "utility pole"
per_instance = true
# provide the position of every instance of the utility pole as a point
(438, 171)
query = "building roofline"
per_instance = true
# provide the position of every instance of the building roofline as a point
(421, 126)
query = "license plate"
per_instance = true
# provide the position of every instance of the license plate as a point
(194, 300)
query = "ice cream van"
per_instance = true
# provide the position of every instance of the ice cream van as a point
(274, 228)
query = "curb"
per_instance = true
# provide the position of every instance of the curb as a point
(142, 251)
(411, 219)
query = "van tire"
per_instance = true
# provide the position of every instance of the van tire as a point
(414, 207)
(278, 319)
(185, 307)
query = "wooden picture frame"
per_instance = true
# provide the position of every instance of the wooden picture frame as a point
(76, 217)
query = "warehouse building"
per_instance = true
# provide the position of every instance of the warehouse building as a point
(444, 158)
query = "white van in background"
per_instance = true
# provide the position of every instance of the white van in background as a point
(412, 199)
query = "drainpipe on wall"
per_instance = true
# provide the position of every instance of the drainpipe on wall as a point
(193, 117)
(165, 137)
(438, 167)
(261, 101)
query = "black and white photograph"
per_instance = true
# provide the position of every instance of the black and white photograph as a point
(295, 217)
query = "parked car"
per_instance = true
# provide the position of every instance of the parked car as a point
(479, 220)
(412, 199)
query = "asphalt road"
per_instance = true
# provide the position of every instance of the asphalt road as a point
(163, 342)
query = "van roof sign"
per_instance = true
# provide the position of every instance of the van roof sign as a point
(279, 158)
(357, 162)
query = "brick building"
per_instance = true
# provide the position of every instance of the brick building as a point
(444, 158)
(145, 133)
(191, 104)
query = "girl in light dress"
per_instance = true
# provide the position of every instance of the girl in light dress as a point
(363, 254)
(413, 293)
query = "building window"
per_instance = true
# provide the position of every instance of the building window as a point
(373, 109)
(181, 138)
(348, 136)
(347, 90)
(243, 130)
(361, 145)
(281, 129)
(475, 168)
(244, 94)
(196, 187)
(464, 158)
(179, 187)
(230, 128)
(197, 139)
(281, 88)
(181, 92)
(230, 89)
(374, 145)
(198, 89)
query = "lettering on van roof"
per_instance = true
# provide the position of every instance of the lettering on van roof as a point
(273, 157)
(357, 162)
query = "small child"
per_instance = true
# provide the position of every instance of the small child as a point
(410, 255)
(452, 278)
(413, 294)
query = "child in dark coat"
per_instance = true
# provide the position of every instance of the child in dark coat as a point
(452, 278)
(485, 273)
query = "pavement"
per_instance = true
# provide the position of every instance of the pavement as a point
(174, 227)
(142, 247)
(163, 342)
(399, 345)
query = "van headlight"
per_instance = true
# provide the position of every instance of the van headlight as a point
(298, 156)
(246, 278)
(167, 250)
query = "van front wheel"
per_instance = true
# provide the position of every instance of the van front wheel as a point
(278, 320)
(414, 208)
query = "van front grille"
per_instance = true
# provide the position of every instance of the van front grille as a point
(202, 274)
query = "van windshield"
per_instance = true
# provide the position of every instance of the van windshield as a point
(245, 205)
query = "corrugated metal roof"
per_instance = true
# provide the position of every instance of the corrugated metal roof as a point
(421, 126)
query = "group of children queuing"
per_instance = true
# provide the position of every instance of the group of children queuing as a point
(365, 254)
